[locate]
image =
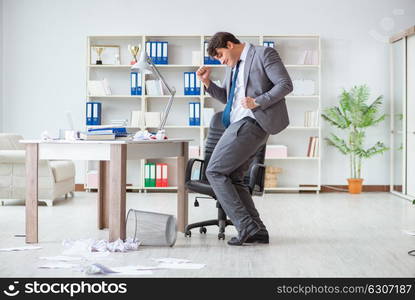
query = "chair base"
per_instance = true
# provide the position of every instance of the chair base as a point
(202, 225)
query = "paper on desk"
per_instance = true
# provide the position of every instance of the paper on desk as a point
(20, 248)
(58, 265)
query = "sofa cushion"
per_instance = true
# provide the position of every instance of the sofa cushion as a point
(9, 141)
(62, 169)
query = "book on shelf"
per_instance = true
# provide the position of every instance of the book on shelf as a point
(308, 57)
(99, 88)
(311, 119)
(136, 118)
(92, 136)
(154, 88)
(313, 146)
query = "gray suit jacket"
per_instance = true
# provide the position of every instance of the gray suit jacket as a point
(266, 80)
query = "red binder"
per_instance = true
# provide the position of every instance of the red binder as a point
(164, 176)
(159, 182)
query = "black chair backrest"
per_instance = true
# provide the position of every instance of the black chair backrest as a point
(215, 132)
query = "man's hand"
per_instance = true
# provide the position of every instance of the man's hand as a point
(249, 103)
(203, 73)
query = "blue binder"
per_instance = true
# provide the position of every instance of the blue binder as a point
(159, 54)
(197, 114)
(191, 113)
(134, 82)
(96, 113)
(89, 107)
(187, 83)
(197, 86)
(139, 87)
(165, 54)
(192, 81)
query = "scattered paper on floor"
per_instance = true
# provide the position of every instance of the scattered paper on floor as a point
(80, 247)
(20, 248)
(58, 265)
(97, 269)
(62, 258)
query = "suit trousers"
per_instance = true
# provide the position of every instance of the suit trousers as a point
(229, 162)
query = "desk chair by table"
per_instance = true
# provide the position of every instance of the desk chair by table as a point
(254, 178)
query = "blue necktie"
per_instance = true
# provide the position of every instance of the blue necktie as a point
(226, 117)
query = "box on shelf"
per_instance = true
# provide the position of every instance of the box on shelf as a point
(276, 151)
(152, 119)
(271, 176)
(136, 118)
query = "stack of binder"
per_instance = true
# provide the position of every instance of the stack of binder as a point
(209, 60)
(269, 44)
(191, 84)
(156, 175)
(93, 113)
(158, 52)
(136, 88)
(194, 114)
(117, 131)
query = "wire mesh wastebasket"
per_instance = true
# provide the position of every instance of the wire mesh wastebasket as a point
(151, 228)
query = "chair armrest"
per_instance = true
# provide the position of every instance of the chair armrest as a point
(256, 179)
(189, 168)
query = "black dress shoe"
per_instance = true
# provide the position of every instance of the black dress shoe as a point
(259, 238)
(244, 235)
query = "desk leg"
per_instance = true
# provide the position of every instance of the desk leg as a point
(32, 165)
(118, 170)
(182, 195)
(103, 194)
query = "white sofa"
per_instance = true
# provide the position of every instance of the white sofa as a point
(56, 177)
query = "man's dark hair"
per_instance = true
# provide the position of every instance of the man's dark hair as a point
(219, 40)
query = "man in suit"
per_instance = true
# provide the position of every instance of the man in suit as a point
(254, 88)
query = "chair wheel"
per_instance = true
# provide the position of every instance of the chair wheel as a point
(188, 233)
(221, 236)
(203, 230)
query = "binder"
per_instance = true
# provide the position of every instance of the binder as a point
(191, 113)
(186, 83)
(152, 174)
(158, 175)
(153, 52)
(148, 49)
(164, 176)
(197, 86)
(197, 114)
(89, 113)
(133, 77)
(96, 113)
(159, 55)
(147, 175)
(192, 83)
(139, 89)
(165, 54)
(206, 57)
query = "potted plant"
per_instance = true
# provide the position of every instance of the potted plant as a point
(354, 116)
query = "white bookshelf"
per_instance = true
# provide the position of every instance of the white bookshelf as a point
(297, 168)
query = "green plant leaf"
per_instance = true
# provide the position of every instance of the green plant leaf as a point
(378, 148)
(339, 143)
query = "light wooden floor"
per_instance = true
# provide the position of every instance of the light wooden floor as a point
(332, 234)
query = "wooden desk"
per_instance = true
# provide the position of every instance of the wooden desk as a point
(113, 156)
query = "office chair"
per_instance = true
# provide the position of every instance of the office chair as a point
(254, 178)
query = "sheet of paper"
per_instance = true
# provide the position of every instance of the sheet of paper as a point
(95, 269)
(410, 232)
(61, 258)
(171, 260)
(58, 265)
(20, 248)
(185, 266)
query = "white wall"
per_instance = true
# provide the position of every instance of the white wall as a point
(1, 66)
(45, 53)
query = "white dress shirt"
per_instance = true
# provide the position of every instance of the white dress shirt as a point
(238, 112)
